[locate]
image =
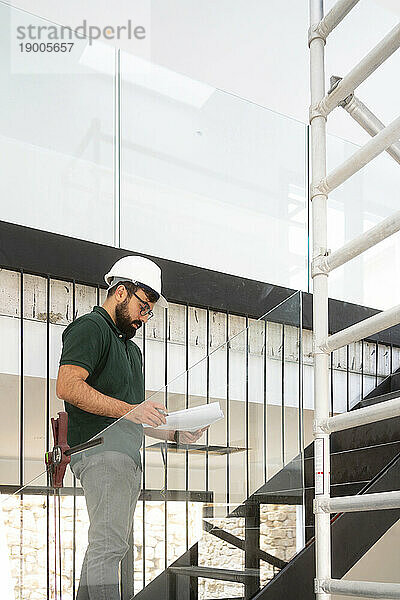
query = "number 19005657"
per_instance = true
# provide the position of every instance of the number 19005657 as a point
(46, 46)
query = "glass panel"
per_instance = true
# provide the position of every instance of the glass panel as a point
(61, 139)
(234, 458)
(35, 364)
(217, 170)
(10, 376)
(221, 497)
(227, 464)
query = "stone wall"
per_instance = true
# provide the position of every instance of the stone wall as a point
(27, 521)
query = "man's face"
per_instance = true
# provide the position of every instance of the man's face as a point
(127, 313)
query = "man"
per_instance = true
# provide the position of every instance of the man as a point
(101, 382)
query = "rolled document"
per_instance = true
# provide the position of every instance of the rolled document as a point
(194, 418)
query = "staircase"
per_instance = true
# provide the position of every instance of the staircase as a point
(365, 460)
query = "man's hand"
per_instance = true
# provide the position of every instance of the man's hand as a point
(148, 413)
(190, 437)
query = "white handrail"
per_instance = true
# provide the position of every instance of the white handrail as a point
(363, 589)
(360, 244)
(373, 60)
(379, 143)
(364, 502)
(335, 16)
(362, 329)
(362, 416)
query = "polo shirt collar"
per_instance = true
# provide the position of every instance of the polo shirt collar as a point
(102, 311)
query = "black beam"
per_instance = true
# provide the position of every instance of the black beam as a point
(234, 575)
(61, 257)
(251, 549)
(67, 258)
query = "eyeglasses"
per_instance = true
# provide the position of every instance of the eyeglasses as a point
(144, 307)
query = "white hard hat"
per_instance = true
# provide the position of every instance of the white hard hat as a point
(138, 270)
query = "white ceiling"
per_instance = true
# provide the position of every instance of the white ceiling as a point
(252, 48)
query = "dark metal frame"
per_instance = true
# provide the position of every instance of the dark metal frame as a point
(60, 257)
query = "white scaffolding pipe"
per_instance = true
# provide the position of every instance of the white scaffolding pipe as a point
(363, 589)
(359, 159)
(320, 294)
(369, 122)
(335, 16)
(382, 501)
(362, 416)
(321, 106)
(362, 329)
(377, 56)
(360, 244)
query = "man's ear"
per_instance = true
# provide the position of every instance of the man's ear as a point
(120, 294)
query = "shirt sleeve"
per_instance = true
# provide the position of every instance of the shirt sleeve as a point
(82, 345)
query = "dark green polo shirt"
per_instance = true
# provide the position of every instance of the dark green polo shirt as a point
(114, 364)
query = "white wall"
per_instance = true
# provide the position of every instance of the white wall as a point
(380, 563)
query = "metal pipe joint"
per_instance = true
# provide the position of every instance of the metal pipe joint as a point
(315, 33)
(319, 586)
(321, 505)
(321, 426)
(320, 188)
(320, 265)
(315, 111)
(320, 348)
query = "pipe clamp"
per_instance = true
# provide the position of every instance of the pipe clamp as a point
(315, 111)
(319, 189)
(320, 427)
(319, 265)
(319, 586)
(315, 33)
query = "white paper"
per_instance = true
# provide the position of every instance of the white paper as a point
(194, 418)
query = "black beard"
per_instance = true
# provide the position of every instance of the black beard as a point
(123, 320)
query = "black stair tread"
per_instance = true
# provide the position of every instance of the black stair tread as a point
(216, 573)
(377, 399)
(390, 384)
(380, 432)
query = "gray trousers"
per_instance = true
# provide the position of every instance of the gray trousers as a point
(111, 483)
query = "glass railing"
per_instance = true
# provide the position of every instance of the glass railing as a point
(221, 168)
(218, 500)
